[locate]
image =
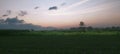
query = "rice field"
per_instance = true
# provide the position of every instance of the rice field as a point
(59, 42)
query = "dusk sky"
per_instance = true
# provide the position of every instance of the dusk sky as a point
(68, 13)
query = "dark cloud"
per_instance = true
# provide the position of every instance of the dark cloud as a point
(22, 13)
(11, 21)
(36, 7)
(53, 8)
(15, 23)
(8, 12)
(5, 15)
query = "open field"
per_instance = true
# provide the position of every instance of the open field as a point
(59, 42)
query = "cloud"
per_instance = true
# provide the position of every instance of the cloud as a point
(8, 12)
(53, 8)
(62, 11)
(76, 4)
(15, 23)
(101, 7)
(5, 15)
(11, 21)
(36, 7)
(63, 4)
(22, 13)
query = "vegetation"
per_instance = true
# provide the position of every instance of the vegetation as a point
(92, 41)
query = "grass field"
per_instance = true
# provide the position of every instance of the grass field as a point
(59, 42)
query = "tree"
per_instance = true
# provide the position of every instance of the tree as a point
(81, 24)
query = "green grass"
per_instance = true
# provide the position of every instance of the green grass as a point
(59, 42)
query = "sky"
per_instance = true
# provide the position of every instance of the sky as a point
(69, 13)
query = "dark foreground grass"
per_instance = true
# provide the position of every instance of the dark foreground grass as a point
(59, 42)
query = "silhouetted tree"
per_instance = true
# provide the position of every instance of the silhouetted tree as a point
(81, 24)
